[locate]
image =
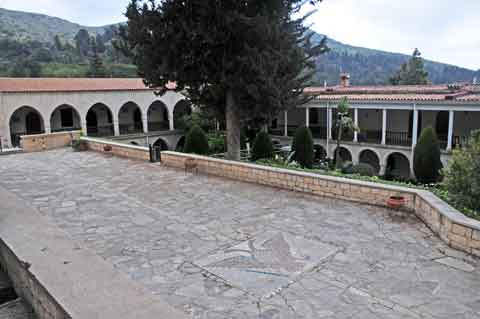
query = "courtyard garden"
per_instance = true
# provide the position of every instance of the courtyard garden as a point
(458, 183)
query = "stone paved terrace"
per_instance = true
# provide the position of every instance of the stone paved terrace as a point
(216, 248)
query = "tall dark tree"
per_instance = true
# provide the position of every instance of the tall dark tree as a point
(82, 41)
(97, 69)
(245, 59)
(100, 44)
(412, 72)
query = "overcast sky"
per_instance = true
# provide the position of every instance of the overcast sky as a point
(444, 30)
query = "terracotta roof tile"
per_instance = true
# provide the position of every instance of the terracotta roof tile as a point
(69, 85)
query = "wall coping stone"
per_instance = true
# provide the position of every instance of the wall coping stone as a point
(113, 143)
(81, 282)
(49, 134)
(444, 208)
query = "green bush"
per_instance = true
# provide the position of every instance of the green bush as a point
(364, 169)
(262, 147)
(196, 141)
(217, 143)
(426, 159)
(303, 147)
(462, 176)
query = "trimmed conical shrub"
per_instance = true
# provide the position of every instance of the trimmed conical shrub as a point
(426, 160)
(303, 147)
(196, 141)
(262, 147)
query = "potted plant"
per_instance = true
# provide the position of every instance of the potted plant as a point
(396, 201)
(107, 148)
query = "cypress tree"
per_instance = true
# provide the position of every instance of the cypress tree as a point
(303, 147)
(412, 72)
(196, 141)
(246, 60)
(262, 147)
(426, 159)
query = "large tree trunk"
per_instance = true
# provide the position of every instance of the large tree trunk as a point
(233, 128)
(338, 159)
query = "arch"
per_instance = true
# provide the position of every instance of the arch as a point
(99, 121)
(320, 152)
(162, 144)
(398, 166)
(25, 121)
(370, 157)
(130, 119)
(65, 118)
(180, 144)
(157, 116)
(345, 154)
(182, 108)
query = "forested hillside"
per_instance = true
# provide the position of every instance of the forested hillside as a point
(39, 45)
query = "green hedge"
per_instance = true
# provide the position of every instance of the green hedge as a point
(262, 147)
(196, 141)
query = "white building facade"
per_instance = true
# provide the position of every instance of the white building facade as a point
(98, 107)
(387, 117)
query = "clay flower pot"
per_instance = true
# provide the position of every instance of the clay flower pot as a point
(396, 202)
(107, 148)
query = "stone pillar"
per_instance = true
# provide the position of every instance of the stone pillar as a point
(116, 127)
(384, 127)
(415, 128)
(83, 124)
(451, 120)
(355, 133)
(329, 123)
(285, 125)
(48, 129)
(307, 117)
(170, 121)
(145, 123)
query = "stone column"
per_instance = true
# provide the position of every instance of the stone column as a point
(285, 125)
(329, 123)
(451, 120)
(384, 127)
(48, 129)
(170, 121)
(116, 127)
(145, 123)
(307, 117)
(83, 123)
(355, 133)
(415, 128)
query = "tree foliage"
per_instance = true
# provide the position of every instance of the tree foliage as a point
(343, 124)
(262, 147)
(426, 158)
(196, 141)
(462, 176)
(245, 59)
(303, 147)
(412, 72)
(97, 69)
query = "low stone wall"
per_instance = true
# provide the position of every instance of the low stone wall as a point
(28, 287)
(450, 225)
(118, 149)
(44, 142)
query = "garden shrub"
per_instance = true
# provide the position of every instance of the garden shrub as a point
(426, 159)
(364, 169)
(196, 141)
(262, 147)
(462, 176)
(303, 147)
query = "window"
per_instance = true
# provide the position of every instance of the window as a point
(67, 117)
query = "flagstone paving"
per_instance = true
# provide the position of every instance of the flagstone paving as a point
(216, 248)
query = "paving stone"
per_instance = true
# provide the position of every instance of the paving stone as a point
(189, 239)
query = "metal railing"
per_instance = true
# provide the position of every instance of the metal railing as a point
(399, 138)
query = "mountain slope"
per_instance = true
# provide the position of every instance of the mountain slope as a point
(366, 66)
(369, 66)
(26, 26)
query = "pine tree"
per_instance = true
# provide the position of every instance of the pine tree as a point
(247, 60)
(97, 69)
(412, 72)
(82, 41)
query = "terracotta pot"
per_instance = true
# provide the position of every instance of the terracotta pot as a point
(396, 202)
(107, 148)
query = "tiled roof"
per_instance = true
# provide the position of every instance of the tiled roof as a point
(69, 85)
(402, 93)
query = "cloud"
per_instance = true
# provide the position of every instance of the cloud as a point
(443, 30)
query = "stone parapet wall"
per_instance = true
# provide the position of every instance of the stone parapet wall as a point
(450, 225)
(118, 149)
(44, 142)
